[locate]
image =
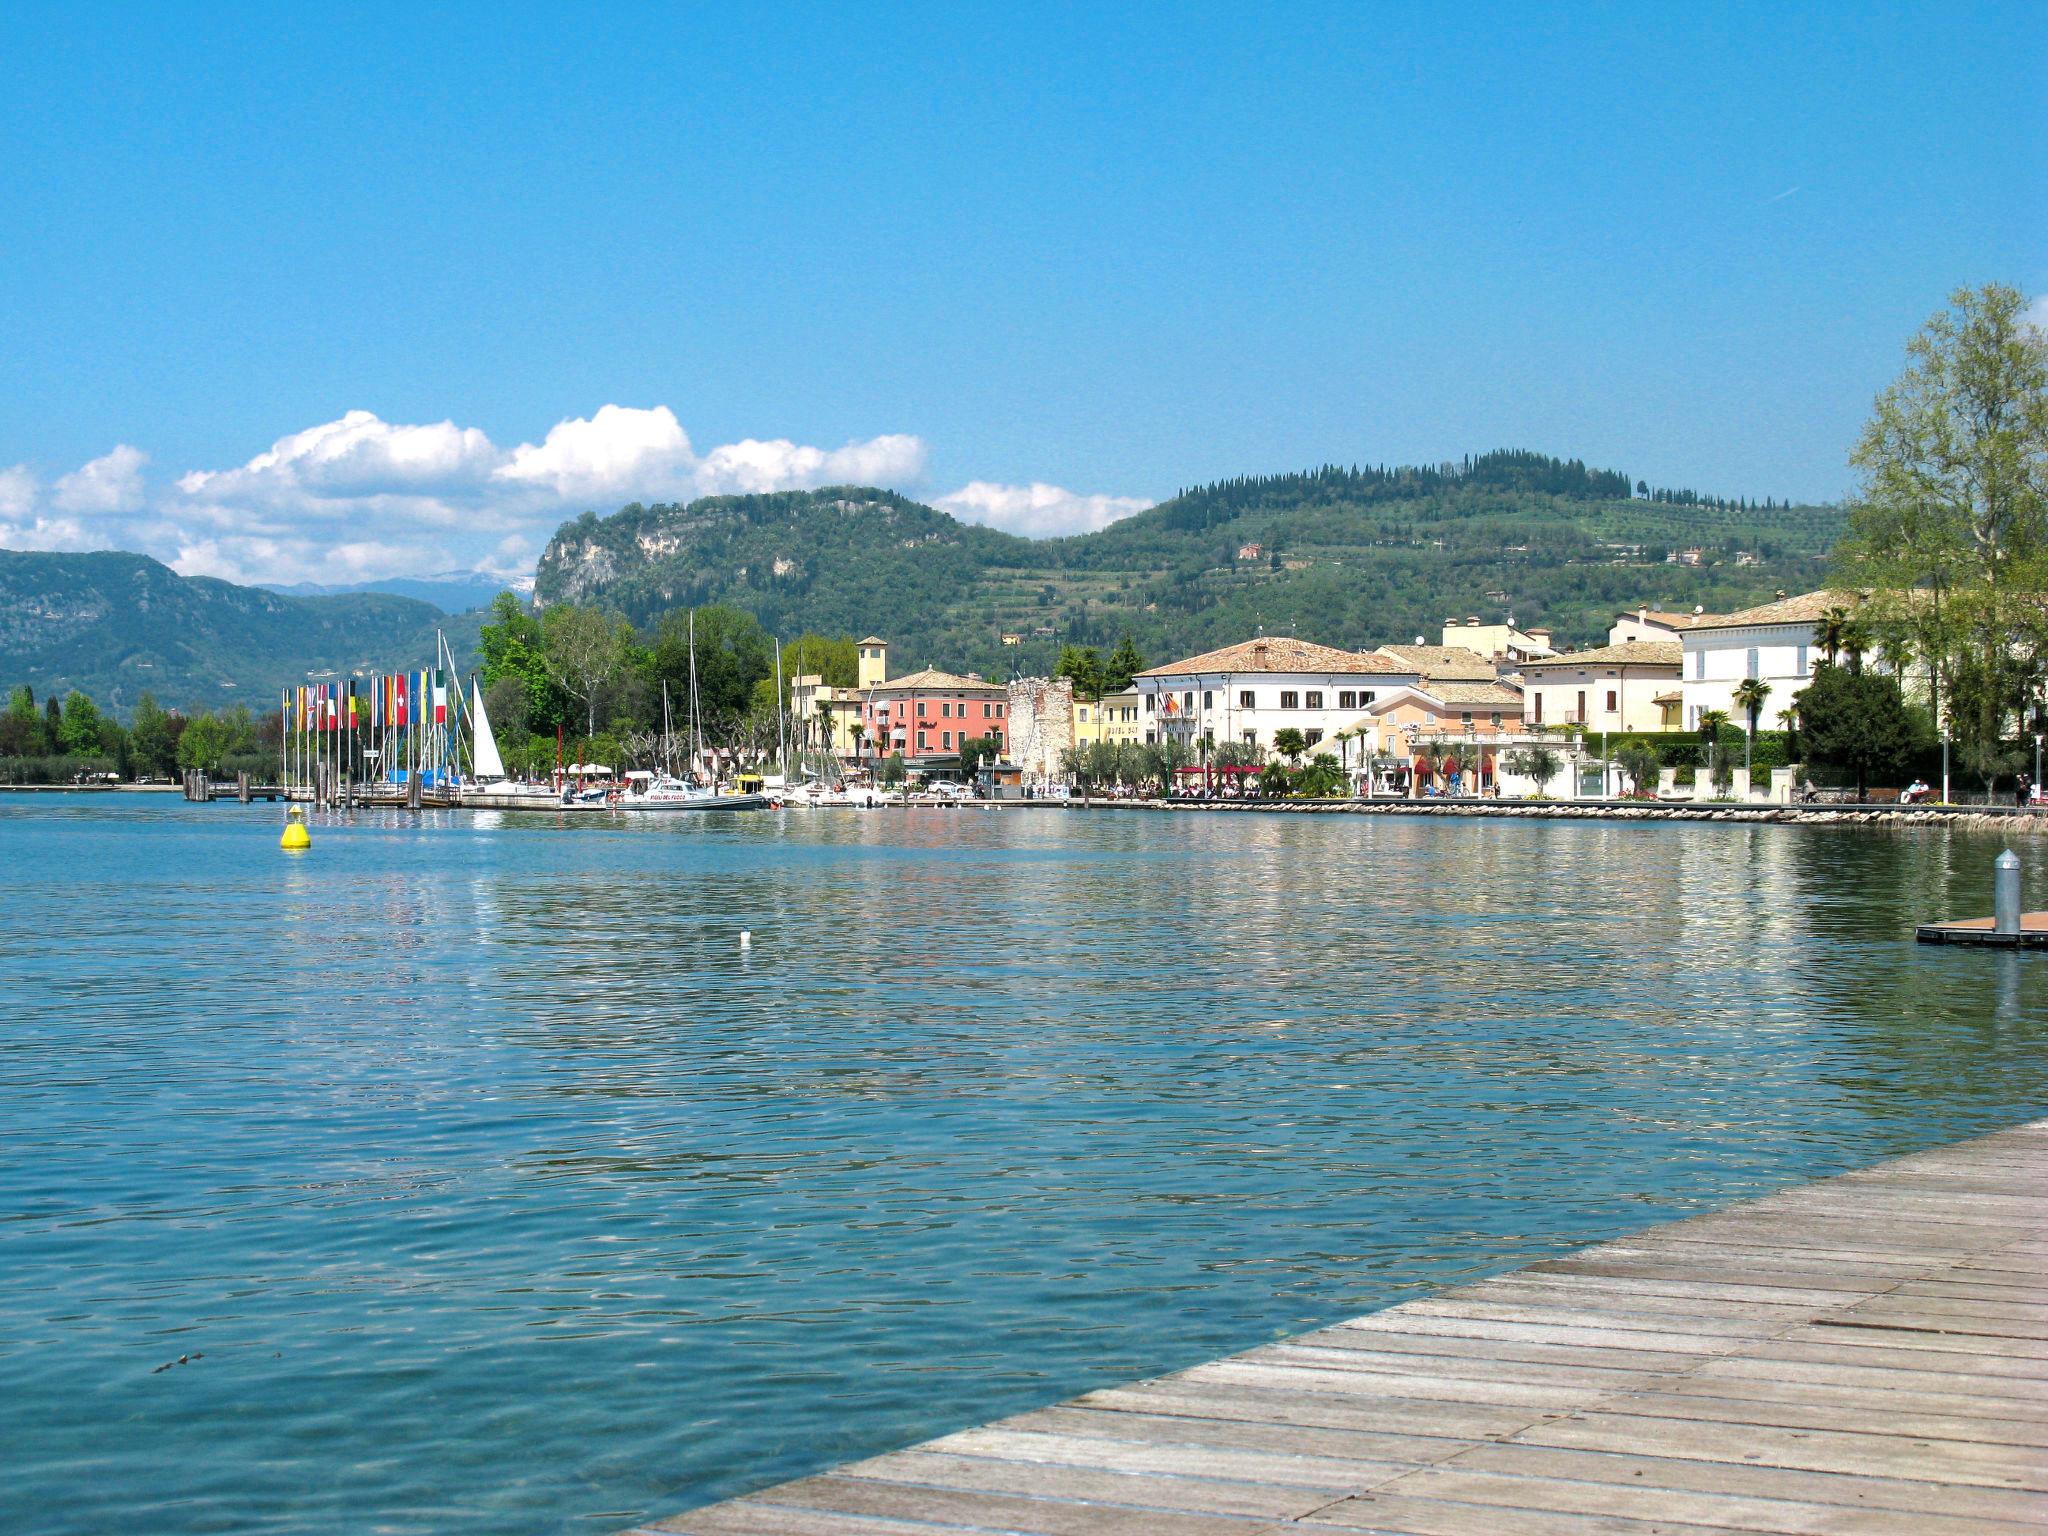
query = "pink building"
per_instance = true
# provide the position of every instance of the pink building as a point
(928, 715)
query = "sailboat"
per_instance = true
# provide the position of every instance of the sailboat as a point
(663, 791)
(491, 787)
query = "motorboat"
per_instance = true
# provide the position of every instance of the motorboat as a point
(645, 791)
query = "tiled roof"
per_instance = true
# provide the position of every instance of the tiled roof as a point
(1803, 609)
(1630, 653)
(1668, 620)
(1451, 663)
(1278, 653)
(1463, 695)
(931, 679)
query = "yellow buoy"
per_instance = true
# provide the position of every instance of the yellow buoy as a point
(296, 837)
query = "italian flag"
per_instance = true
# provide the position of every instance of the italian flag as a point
(440, 698)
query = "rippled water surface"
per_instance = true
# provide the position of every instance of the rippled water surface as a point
(489, 1186)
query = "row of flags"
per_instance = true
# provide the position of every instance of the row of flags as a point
(390, 700)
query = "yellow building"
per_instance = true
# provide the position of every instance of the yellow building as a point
(1112, 718)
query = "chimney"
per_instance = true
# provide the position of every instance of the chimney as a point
(1472, 620)
(1642, 615)
(1781, 594)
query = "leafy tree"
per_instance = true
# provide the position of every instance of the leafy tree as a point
(584, 649)
(1537, 763)
(733, 654)
(205, 742)
(1275, 780)
(514, 649)
(80, 732)
(834, 658)
(21, 728)
(893, 771)
(1948, 529)
(1290, 743)
(976, 750)
(153, 739)
(1639, 760)
(1855, 722)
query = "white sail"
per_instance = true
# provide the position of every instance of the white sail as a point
(488, 764)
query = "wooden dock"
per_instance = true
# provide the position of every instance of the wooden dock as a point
(1868, 1354)
(2033, 932)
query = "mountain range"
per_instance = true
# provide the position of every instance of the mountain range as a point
(118, 625)
(450, 591)
(1344, 556)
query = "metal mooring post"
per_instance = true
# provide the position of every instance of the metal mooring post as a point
(2005, 893)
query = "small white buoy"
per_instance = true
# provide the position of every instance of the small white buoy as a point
(746, 939)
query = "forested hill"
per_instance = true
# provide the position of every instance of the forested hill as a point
(118, 625)
(1345, 556)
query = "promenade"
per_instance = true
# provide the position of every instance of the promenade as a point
(1867, 1354)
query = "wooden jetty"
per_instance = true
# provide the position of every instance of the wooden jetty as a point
(2033, 932)
(1864, 1355)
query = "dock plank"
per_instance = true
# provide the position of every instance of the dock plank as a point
(1862, 1356)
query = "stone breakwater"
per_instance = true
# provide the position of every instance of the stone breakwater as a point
(1976, 819)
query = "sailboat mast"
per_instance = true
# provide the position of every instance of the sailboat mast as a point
(781, 737)
(696, 730)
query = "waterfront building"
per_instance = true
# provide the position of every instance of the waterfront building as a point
(1503, 644)
(1632, 686)
(1113, 718)
(1251, 691)
(1406, 738)
(824, 716)
(1778, 642)
(926, 715)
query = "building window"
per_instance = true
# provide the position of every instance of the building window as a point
(1538, 697)
(1315, 698)
(1801, 663)
(1465, 719)
(1188, 701)
(1251, 738)
(920, 709)
(1496, 719)
(1208, 699)
(946, 739)
(1610, 701)
(1149, 705)
(1347, 698)
(1312, 737)
(988, 710)
(1582, 706)
(1151, 738)
(1244, 699)
(1289, 699)
(1367, 697)
(1752, 662)
(1084, 716)
(920, 741)
(1699, 666)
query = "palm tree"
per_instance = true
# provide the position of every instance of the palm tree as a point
(1750, 693)
(1290, 743)
(1834, 623)
(1711, 721)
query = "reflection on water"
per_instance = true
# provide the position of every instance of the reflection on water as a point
(488, 1185)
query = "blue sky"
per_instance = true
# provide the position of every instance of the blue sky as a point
(968, 250)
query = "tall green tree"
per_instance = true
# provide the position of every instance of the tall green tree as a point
(1082, 665)
(1948, 528)
(514, 649)
(21, 728)
(80, 732)
(1855, 722)
(585, 650)
(153, 739)
(1124, 663)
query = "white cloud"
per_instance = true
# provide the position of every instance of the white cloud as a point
(753, 466)
(620, 450)
(359, 498)
(1037, 510)
(110, 483)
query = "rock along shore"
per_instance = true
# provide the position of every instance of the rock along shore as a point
(1972, 817)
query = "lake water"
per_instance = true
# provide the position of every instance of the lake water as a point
(491, 1187)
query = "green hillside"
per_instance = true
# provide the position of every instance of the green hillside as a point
(1351, 557)
(118, 625)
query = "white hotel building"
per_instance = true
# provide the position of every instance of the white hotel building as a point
(1778, 643)
(1249, 692)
